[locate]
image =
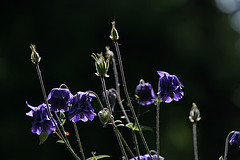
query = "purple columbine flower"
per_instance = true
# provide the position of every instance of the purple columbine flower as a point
(145, 93)
(147, 157)
(81, 108)
(41, 121)
(58, 98)
(235, 139)
(170, 87)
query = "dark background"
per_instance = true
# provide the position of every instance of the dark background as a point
(192, 39)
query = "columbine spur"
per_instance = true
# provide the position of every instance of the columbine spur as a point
(58, 98)
(144, 93)
(41, 121)
(80, 107)
(170, 87)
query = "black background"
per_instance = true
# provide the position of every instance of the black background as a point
(189, 38)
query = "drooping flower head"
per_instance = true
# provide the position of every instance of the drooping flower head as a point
(147, 157)
(144, 93)
(41, 121)
(111, 97)
(170, 87)
(81, 108)
(58, 98)
(235, 139)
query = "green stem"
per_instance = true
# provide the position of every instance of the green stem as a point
(49, 112)
(157, 129)
(226, 144)
(129, 100)
(157, 122)
(128, 121)
(110, 115)
(78, 139)
(195, 141)
(62, 128)
(116, 75)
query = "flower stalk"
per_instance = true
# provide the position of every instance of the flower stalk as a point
(78, 139)
(36, 59)
(227, 144)
(157, 122)
(128, 98)
(110, 116)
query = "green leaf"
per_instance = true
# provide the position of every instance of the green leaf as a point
(98, 157)
(63, 121)
(221, 158)
(118, 121)
(144, 128)
(120, 125)
(43, 137)
(60, 141)
(129, 125)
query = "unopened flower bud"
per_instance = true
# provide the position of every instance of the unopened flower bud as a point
(111, 97)
(34, 56)
(108, 52)
(114, 34)
(103, 116)
(101, 65)
(194, 115)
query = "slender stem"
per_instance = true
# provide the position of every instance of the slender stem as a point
(157, 129)
(195, 141)
(128, 121)
(226, 145)
(116, 75)
(110, 115)
(98, 99)
(49, 112)
(129, 100)
(62, 128)
(158, 121)
(121, 105)
(78, 139)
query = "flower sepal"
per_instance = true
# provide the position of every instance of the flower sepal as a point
(101, 65)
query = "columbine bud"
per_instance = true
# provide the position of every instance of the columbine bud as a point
(34, 56)
(101, 65)
(114, 34)
(103, 116)
(108, 52)
(194, 115)
(111, 97)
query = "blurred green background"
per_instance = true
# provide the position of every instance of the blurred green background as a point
(197, 40)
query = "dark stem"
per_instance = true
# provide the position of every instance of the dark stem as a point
(158, 121)
(49, 112)
(78, 139)
(195, 141)
(129, 100)
(128, 121)
(110, 116)
(226, 144)
(116, 75)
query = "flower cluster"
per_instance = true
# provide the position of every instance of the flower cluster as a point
(147, 157)
(170, 89)
(62, 100)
